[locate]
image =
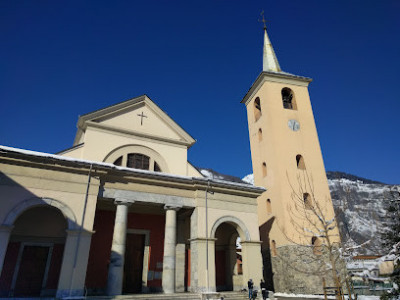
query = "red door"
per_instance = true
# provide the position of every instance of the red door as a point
(31, 271)
(220, 269)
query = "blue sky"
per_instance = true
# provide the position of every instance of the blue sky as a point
(196, 60)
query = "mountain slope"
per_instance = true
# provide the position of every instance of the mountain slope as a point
(361, 207)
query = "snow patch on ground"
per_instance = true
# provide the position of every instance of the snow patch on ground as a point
(306, 296)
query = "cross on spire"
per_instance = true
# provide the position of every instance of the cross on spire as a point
(141, 115)
(270, 62)
(263, 20)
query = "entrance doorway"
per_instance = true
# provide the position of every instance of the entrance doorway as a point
(227, 264)
(133, 266)
(32, 269)
(34, 253)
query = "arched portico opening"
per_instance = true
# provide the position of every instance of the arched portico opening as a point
(35, 249)
(228, 231)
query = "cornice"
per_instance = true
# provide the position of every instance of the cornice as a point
(280, 77)
(70, 149)
(38, 159)
(109, 128)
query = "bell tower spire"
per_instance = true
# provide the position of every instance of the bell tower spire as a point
(270, 62)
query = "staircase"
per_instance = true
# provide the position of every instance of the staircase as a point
(177, 296)
(235, 295)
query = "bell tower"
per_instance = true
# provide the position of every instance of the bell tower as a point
(287, 161)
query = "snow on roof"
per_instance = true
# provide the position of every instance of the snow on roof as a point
(131, 170)
(249, 179)
(211, 174)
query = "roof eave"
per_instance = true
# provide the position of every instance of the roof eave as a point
(277, 75)
(69, 162)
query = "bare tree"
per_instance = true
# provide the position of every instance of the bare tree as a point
(317, 235)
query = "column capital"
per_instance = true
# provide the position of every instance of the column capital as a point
(122, 201)
(172, 207)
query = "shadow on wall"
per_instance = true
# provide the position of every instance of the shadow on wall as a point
(265, 230)
(36, 233)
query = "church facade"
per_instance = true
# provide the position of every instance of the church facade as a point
(123, 212)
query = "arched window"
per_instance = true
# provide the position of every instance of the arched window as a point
(317, 245)
(307, 201)
(273, 248)
(137, 161)
(257, 108)
(288, 99)
(260, 137)
(157, 167)
(300, 162)
(118, 161)
(264, 169)
(269, 208)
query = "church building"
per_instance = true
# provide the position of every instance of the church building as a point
(123, 212)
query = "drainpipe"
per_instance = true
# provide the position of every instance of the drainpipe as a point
(80, 230)
(208, 279)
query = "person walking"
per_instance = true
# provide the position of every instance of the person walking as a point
(250, 285)
(263, 288)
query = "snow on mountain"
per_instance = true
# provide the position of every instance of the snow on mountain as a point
(210, 173)
(361, 209)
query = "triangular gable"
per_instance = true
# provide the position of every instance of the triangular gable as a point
(138, 116)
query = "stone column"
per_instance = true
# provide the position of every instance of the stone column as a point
(168, 276)
(180, 257)
(5, 231)
(116, 267)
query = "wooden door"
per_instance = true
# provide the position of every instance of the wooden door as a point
(31, 271)
(133, 267)
(220, 269)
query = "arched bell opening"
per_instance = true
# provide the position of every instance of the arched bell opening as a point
(228, 258)
(34, 254)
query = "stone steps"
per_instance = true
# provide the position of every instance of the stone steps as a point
(176, 296)
(234, 295)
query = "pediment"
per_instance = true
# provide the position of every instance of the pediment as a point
(138, 116)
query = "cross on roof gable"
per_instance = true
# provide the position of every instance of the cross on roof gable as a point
(138, 116)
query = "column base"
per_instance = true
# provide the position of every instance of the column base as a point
(210, 295)
(70, 294)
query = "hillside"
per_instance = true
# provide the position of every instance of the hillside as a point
(361, 209)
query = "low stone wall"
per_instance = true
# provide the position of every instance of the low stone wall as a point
(298, 270)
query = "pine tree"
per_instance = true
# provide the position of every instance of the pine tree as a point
(392, 242)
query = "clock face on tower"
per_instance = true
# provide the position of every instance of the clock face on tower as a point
(294, 125)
